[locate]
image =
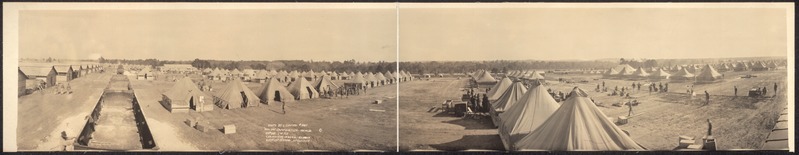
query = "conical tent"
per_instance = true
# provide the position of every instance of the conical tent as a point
(182, 94)
(302, 89)
(236, 72)
(641, 73)
(535, 75)
(759, 66)
(324, 85)
(773, 65)
(236, 95)
(611, 72)
(660, 74)
(577, 125)
(380, 78)
(509, 97)
(532, 109)
(682, 75)
(370, 80)
(274, 91)
(485, 77)
(262, 74)
(627, 71)
(708, 74)
(742, 66)
(499, 88)
(390, 77)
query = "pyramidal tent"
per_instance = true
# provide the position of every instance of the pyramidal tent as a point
(708, 74)
(380, 78)
(659, 74)
(262, 74)
(627, 71)
(535, 75)
(509, 97)
(641, 72)
(534, 107)
(274, 91)
(236, 95)
(182, 95)
(683, 74)
(577, 125)
(499, 88)
(324, 85)
(485, 77)
(302, 89)
(611, 72)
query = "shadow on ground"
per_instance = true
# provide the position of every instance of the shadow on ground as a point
(472, 123)
(487, 142)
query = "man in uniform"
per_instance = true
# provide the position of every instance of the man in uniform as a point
(707, 98)
(735, 88)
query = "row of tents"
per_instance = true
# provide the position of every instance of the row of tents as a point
(285, 76)
(530, 119)
(704, 74)
(484, 77)
(43, 75)
(185, 94)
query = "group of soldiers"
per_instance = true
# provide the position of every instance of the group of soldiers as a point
(660, 87)
(478, 103)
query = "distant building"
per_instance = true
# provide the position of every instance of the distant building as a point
(45, 74)
(65, 73)
(22, 78)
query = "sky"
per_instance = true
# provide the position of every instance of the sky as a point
(424, 33)
(319, 34)
(451, 34)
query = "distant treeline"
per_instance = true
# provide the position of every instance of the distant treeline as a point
(503, 66)
(499, 66)
(288, 65)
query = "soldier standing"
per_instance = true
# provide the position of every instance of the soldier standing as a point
(735, 88)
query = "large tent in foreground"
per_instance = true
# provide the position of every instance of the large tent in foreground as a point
(236, 95)
(577, 125)
(529, 112)
(302, 89)
(499, 88)
(183, 96)
(274, 91)
(508, 98)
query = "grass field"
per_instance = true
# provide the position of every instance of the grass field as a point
(738, 122)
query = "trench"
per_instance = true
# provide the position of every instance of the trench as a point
(117, 121)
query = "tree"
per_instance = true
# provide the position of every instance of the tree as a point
(258, 66)
(200, 63)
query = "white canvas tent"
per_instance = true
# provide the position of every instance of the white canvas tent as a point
(577, 125)
(529, 112)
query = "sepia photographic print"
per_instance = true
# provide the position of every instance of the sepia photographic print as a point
(398, 77)
(595, 77)
(260, 77)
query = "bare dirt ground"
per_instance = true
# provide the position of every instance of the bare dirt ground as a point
(346, 124)
(738, 122)
(43, 115)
